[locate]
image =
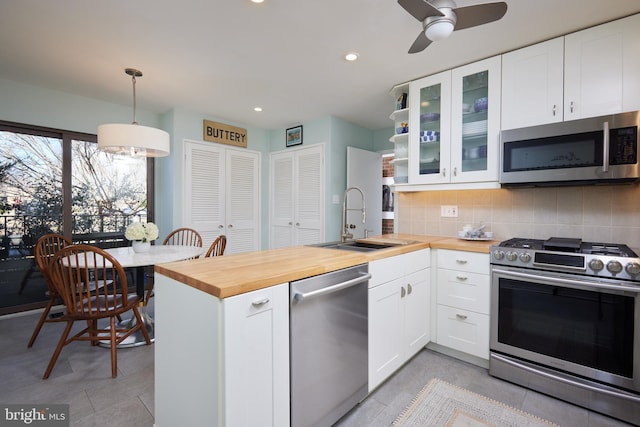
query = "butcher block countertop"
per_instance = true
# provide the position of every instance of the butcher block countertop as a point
(236, 274)
(481, 246)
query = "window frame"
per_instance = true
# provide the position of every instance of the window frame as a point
(66, 136)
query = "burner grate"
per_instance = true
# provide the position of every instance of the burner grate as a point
(561, 244)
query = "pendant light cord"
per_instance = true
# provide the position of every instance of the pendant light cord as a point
(133, 80)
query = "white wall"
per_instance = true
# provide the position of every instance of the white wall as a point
(50, 108)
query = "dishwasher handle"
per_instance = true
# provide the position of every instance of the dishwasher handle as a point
(300, 296)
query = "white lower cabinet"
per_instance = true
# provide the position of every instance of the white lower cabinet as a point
(221, 362)
(256, 349)
(399, 300)
(462, 306)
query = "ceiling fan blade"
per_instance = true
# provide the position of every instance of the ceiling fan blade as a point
(471, 16)
(420, 43)
(419, 9)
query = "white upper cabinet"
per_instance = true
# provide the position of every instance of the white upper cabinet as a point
(589, 73)
(475, 121)
(430, 129)
(532, 85)
(602, 69)
(454, 126)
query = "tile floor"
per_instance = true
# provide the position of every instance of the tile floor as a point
(82, 378)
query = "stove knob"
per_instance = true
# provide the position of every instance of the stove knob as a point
(498, 254)
(512, 256)
(525, 257)
(596, 264)
(614, 267)
(633, 268)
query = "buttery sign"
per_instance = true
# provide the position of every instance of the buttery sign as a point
(225, 134)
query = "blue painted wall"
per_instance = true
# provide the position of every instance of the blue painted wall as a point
(51, 108)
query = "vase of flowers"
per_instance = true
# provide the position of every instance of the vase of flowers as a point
(141, 234)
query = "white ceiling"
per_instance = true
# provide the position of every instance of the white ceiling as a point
(221, 58)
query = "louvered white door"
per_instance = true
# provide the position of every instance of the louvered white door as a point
(296, 211)
(281, 202)
(242, 201)
(204, 208)
(222, 195)
(309, 195)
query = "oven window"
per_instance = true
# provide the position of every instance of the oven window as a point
(589, 328)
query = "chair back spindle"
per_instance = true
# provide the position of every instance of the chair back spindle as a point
(217, 247)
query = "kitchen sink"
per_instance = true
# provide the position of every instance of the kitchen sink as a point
(355, 245)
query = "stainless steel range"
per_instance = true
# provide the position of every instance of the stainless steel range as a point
(565, 321)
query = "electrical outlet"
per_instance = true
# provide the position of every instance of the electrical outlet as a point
(449, 211)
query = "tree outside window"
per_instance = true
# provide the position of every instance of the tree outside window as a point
(105, 192)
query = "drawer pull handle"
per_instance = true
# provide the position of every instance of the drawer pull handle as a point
(260, 302)
(461, 316)
(462, 278)
(403, 293)
(461, 261)
(409, 288)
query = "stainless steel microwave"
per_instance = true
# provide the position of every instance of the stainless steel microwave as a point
(600, 150)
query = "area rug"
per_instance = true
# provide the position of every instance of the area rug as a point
(441, 404)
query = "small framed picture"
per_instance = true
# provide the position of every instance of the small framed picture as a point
(294, 136)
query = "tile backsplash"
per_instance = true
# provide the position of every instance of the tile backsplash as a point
(609, 214)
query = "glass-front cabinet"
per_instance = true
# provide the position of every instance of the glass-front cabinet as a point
(455, 125)
(475, 121)
(430, 130)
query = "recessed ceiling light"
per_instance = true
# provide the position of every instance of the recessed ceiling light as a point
(257, 1)
(351, 56)
(258, 109)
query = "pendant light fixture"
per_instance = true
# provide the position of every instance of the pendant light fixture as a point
(133, 139)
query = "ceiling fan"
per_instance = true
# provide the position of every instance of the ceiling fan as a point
(441, 17)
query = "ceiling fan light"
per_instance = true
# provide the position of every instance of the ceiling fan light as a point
(439, 30)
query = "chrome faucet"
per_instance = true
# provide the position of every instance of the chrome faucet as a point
(346, 234)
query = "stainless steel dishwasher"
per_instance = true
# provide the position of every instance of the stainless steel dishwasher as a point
(329, 345)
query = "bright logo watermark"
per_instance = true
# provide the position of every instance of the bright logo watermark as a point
(34, 415)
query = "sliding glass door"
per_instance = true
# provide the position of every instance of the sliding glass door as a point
(58, 182)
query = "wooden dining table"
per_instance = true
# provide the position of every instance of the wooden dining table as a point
(157, 254)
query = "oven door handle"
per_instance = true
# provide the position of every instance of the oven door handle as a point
(566, 380)
(568, 282)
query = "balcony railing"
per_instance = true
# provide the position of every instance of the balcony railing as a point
(81, 223)
(21, 232)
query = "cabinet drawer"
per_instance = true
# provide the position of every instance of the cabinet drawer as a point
(253, 302)
(461, 289)
(463, 330)
(385, 270)
(463, 261)
(417, 260)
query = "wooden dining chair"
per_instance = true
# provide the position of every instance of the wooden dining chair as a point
(180, 236)
(183, 236)
(217, 247)
(93, 286)
(46, 247)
